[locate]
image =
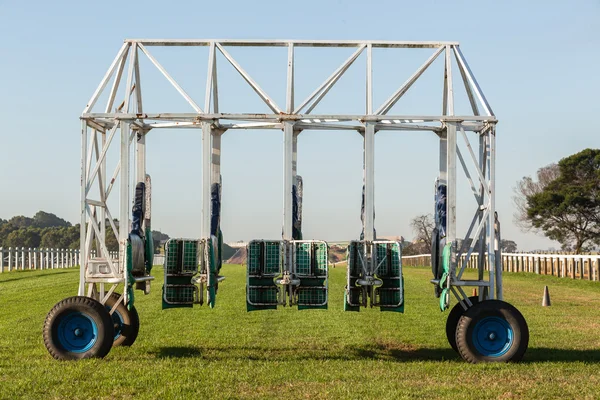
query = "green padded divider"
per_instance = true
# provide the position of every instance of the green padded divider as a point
(212, 270)
(443, 284)
(149, 251)
(129, 267)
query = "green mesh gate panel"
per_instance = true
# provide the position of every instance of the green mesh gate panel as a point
(181, 264)
(181, 257)
(390, 295)
(311, 263)
(264, 264)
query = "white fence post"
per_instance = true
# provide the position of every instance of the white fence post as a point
(1, 259)
(10, 259)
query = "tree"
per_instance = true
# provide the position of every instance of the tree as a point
(567, 209)
(21, 221)
(159, 239)
(29, 237)
(526, 188)
(422, 226)
(59, 238)
(47, 220)
(508, 246)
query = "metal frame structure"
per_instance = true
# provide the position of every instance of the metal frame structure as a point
(100, 127)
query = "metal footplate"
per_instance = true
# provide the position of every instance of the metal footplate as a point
(191, 270)
(284, 273)
(374, 276)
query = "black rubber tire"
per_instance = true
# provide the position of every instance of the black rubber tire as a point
(452, 321)
(131, 321)
(92, 310)
(492, 308)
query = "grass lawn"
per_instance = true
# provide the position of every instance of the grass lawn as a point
(229, 353)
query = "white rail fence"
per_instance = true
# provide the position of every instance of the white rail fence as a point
(581, 266)
(21, 258)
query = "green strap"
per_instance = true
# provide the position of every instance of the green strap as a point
(129, 287)
(444, 281)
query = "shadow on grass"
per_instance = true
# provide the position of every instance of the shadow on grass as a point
(25, 272)
(543, 354)
(179, 352)
(376, 351)
(266, 353)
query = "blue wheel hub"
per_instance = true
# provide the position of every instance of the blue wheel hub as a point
(493, 336)
(118, 322)
(77, 332)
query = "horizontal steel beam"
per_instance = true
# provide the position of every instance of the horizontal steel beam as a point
(296, 43)
(292, 117)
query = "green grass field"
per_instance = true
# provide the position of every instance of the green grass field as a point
(229, 353)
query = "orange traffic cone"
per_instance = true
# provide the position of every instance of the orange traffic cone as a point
(474, 292)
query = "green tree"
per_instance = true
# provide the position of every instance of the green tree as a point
(21, 221)
(61, 238)
(508, 246)
(29, 237)
(568, 208)
(47, 220)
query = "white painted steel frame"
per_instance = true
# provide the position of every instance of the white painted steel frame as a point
(291, 120)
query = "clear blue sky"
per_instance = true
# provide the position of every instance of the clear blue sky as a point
(537, 62)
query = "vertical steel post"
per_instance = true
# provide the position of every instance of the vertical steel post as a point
(443, 176)
(369, 155)
(207, 138)
(482, 198)
(288, 178)
(369, 181)
(450, 162)
(140, 154)
(491, 239)
(452, 184)
(83, 219)
(494, 239)
(124, 204)
(216, 157)
(102, 183)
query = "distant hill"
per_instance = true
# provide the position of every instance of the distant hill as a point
(46, 230)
